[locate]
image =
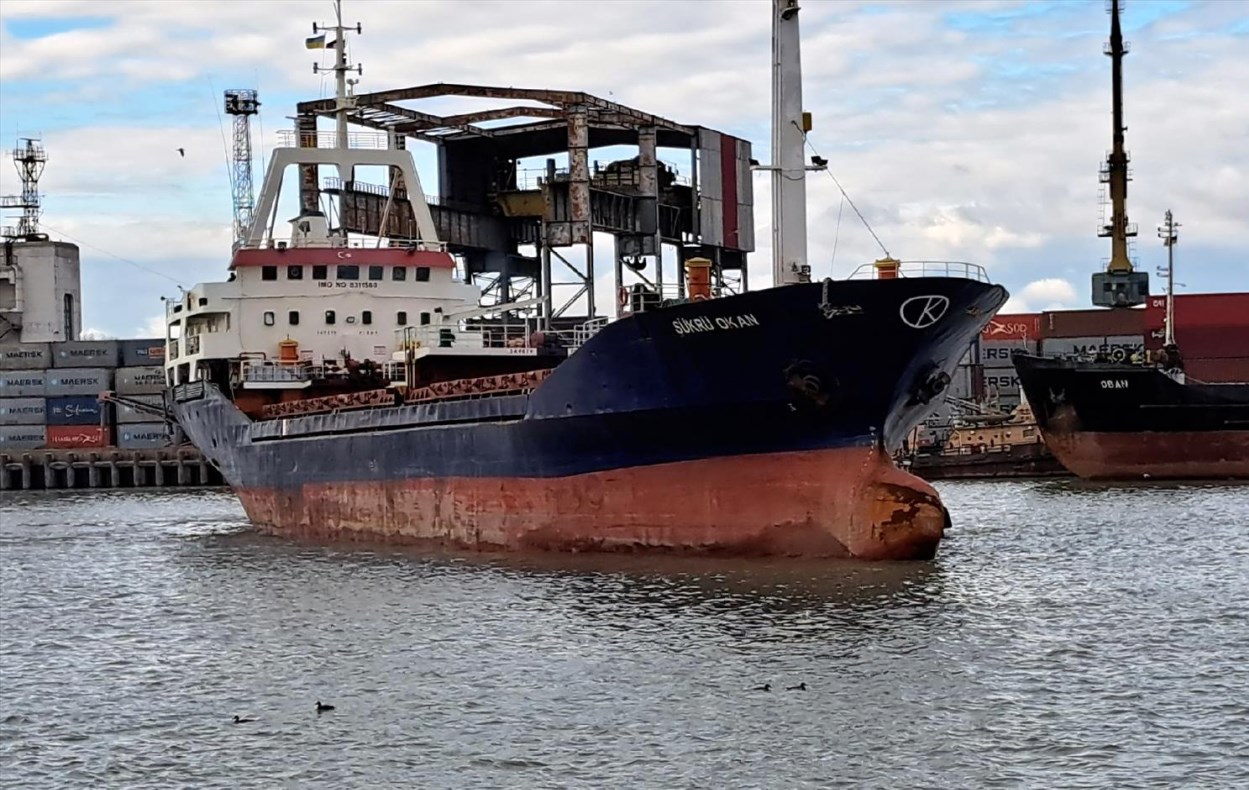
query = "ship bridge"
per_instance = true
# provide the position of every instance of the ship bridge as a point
(489, 207)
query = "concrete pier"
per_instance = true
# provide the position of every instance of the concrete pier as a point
(36, 470)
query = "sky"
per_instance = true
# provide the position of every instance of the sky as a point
(967, 130)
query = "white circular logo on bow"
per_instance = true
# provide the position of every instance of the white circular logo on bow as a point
(921, 312)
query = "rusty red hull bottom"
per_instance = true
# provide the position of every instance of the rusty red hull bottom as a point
(1170, 455)
(848, 502)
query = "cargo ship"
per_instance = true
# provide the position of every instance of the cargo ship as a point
(701, 421)
(1106, 420)
(1119, 413)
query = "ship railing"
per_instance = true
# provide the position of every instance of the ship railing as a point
(272, 372)
(419, 245)
(466, 335)
(911, 269)
(293, 138)
(336, 184)
(581, 333)
(641, 297)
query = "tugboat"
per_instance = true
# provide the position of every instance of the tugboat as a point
(748, 424)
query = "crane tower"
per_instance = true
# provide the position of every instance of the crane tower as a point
(242, 103)
(29, 159)
(1120, 285)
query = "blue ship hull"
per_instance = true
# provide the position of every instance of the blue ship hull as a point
(758, 423)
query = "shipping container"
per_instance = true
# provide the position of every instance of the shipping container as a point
(997, 353)
(143, 436)
(85, 354)
(23, 383)
(148, 380)
(22, 411)
(142, 353)
(1213, 342)
(126, 415)
(25, 356)
(1017, 326)
(22, 437)
(1118, 349)
(1093, 323)
(75, 410)
(78, 381)
(1226, 309)
(70, 437)
(1003, 382)
(1218, 371)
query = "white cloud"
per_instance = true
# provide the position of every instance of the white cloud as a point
(955, 144)
(1052, 293)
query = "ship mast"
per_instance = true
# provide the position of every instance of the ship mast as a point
(343, 101)
(1170, 236)
(789, 127)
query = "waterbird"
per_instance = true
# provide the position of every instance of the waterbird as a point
(800, 687)
(238, 720)
(182, 152)
(764, 687)
(323, 708)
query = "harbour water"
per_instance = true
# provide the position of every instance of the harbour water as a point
(1068, 635)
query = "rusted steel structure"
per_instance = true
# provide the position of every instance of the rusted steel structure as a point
(487, 211)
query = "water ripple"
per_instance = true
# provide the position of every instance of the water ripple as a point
(1069, 635)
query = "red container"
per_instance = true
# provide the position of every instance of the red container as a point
(1218, 371)
(1091, 323)
(1018, 326)
(1193, 310)
(70, 437)
(1212, 342)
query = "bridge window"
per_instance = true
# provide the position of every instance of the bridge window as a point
(401, 318)
(376, 272)
(293, 317)
(422, 274)
(268, 272)
(329, 316)
(319, 272)
(294, 272)
(270, 320)
(349, 272)
(424, 319)
(366, 317)
(399, 273)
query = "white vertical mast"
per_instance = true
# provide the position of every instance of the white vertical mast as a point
(789, 173)
(1170, 236)
(343, 102)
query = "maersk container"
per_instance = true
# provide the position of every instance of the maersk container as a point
(127, 415)
(23, 383)
(1003, 382)
(22, 437)
(25, 356)
(75, 410)
(85, 354)
(22, 411)
(1118, 348)
(78, 381)
(148, 380)
(997, 353)
(142, 353)
(143, 436)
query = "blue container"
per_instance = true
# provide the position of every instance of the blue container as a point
(74, 410)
